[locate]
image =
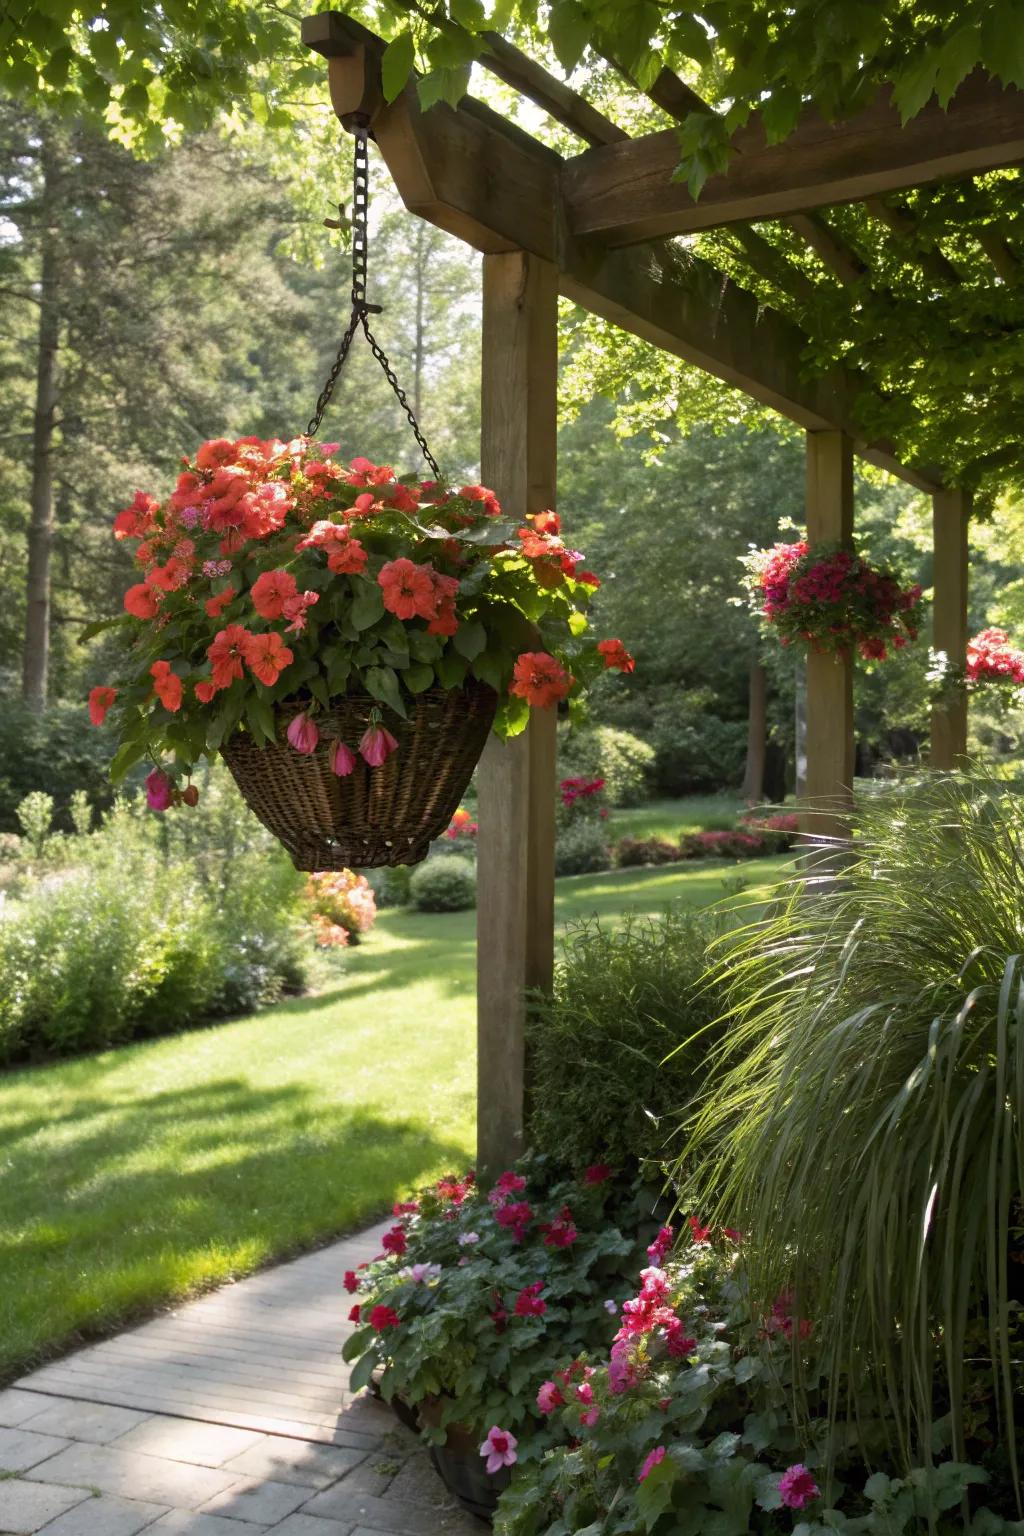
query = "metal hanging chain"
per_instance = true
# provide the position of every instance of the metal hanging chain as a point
(361, 310)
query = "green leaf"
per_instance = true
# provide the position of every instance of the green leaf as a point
(363, 1370)
(1002, 42)
(914, 85)
(654, 1495)
(451, 670)
(367, 602)
(396, 65)
(356, 1343)
(260, 715)
(99, 626)
(569, 30)
(468, 13)
(490, 668)
(486, 533)
(127, 755)
(382, 683)
(470, 638)
(418, 677)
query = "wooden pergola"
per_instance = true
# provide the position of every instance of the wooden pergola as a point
(599, 227)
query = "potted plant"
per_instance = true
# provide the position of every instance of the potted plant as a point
(476, 1294)
(345, 638)
(830, 600)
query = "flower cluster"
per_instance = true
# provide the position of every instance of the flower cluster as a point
(342, 905)
(462, 828)
(276, 575)
(831, 600)
(991, 658)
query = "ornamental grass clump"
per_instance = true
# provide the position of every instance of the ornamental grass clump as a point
(862, 1115)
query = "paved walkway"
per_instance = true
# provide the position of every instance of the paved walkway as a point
(230, 1416)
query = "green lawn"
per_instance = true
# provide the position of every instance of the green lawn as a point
(144, 1173)
(669, 818)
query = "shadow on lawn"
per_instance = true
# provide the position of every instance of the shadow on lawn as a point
(250, 1176)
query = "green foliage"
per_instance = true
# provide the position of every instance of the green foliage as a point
(459, 1337)
(55, 754)
(865, 1118)
(700, 1438)
(623, 760)
(624, 999)
(694, 749)
(581, 848)
(390, 886)
(91, 954)
(443, 885)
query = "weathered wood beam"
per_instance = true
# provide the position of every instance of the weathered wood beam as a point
(516, 781)
(624, 193)
(815, 230)
(553, 96)
(471, 173)
(951, 514)
(1006, 264)
(830, 741)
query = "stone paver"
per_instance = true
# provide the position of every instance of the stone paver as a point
(207, 1445)
(104, 1517)
(96, 1422)
(16, 1406)
(295, 1461)
(26, 1507)
(20, 1449)
(230, 1416)
(133, 1475)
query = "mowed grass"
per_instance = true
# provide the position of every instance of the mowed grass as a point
(140, 1175)
(668, 819)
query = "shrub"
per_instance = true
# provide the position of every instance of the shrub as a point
(631, 852)
(390, 886)
(622, 1001)
(623, 760)
(443, 885)
(340, 899)
(143, 927)
(55, 753)
(695, 750)
(870, 1129)
(734, 844)
(582, 849)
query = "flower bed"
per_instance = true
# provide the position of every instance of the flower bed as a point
(342, 906)
(754, 838)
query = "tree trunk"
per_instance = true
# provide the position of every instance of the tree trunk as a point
(757, 735)
(36, 657)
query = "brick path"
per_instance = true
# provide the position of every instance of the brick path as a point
(230, 1416)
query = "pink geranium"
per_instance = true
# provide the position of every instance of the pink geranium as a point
(797, 1487)
(654, 1459)
(303, 734)
(549, 1397)
(499, 1450)
(377, 745)
(159, 790)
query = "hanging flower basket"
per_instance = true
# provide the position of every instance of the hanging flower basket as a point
(344, 638)
(832, 601)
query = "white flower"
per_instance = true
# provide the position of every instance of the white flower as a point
(465, 1238)
(611, 1306)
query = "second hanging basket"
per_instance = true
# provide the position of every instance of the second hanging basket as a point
(372, 816)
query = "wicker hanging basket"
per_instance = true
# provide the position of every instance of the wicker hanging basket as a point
(372, 816)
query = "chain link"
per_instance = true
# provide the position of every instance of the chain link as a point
(361, 310)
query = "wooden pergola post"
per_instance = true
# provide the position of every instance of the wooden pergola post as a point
(516, 782)
(951, 512)
(829, 678)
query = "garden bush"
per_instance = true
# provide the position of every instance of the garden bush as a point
(447, 884)
(55, 753)
(623, 999)
(390, 887)
(582, 849)
(623, 760)
(635, 852)
(866, 1123)
(144, 926)
(695, 751)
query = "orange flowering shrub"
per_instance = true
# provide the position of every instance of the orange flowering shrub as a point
(273, 572)
(341, 899)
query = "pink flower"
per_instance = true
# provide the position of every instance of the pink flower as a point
(516, 1217)
(661, 1245)
(303, 734)
(797, 1487)
(158, 790)
(560, 1233)
(585, 1393)
(549, 1398)
(377, 745)
(656, 1457)
(342, 759)
(597, 1173)
(590, 1417)
(509, 1184)
(499, 1449)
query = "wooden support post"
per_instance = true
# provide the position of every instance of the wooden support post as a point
(951, 512)
(829, 678)
(516, 782)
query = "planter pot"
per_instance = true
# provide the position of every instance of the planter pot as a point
(461, 1467)
(372, 816)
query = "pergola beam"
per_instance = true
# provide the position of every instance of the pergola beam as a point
(469, 172)
(624, 193)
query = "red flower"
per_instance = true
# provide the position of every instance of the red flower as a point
(267, 656)
(698, 1231)
(351, 1281)
(661, 1245)
(394, 1241)
(516, 1216)
(166, 685)
(355, 1313)
(560, 1233)
(382, 1317)
(529, 1303)
(615, 655)
(597, 1173)
(271, 591)
(100, 700)
(216, 604)
(141, 601)
(540, 679)
(347, 559)
(376, 745)
(205, 691)
(227, 654)
(409, 589)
